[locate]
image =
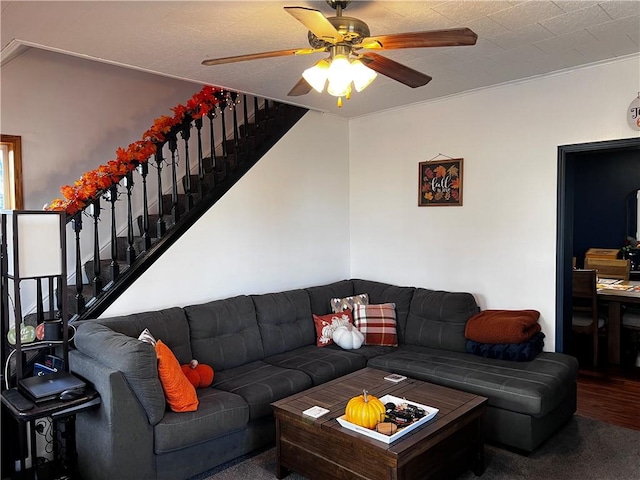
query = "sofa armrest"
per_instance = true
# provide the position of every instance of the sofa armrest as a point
(136, 360)
(102, 453)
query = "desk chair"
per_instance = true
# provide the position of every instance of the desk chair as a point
(609, 268)
(585, 319)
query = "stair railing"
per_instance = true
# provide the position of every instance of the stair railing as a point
(140, 214)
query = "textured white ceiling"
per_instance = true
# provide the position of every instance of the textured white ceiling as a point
(516, 40)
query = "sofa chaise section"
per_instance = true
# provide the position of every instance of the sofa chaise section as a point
(527, 401)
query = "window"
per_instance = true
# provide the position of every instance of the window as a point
(10, 173)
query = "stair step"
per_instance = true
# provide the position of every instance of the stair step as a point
(167, 203)
(195, 183)
(153, 224)
(72, 302)
(123, 245)
(105, 271)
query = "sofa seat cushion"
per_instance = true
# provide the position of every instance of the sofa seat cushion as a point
(225, 333)
(438, 319)
(321, 364)
(261, 384)
(320, 296)
(218, 414)
(285, 321)
(533, 388)
(385, 293)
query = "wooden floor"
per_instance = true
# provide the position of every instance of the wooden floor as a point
(610, 394)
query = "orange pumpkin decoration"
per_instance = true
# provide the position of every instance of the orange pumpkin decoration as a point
(365, 410)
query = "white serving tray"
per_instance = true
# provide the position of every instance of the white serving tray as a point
(430, 413)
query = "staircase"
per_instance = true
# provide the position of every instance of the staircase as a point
(186, 183)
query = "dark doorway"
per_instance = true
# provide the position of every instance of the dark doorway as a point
(593, 180)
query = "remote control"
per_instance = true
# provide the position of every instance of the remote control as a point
(16, 399)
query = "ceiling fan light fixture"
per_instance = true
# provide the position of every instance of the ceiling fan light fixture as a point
(339, 76)
(317, 75)
(362, 75)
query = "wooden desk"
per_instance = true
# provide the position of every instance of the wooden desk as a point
(615, 295)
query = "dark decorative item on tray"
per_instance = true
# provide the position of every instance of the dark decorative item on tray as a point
(403, 414)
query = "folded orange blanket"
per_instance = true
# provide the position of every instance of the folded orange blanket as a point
(503, 326)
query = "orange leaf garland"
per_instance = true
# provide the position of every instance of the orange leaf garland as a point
(92, 183)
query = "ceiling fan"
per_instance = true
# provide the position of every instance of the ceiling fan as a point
(352, 60)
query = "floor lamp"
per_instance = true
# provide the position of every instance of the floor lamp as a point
(33, 247)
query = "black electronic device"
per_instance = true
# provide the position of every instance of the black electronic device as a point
(49, 387)
(71, 394)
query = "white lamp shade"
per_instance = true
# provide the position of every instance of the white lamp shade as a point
(37, 247)
(317, 75)
(339, 76)
(362, 75)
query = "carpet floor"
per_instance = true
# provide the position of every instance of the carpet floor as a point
(583, 449)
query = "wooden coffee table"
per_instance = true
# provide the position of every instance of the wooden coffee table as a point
(321, 448)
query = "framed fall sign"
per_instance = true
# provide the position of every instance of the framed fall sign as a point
(440, 183)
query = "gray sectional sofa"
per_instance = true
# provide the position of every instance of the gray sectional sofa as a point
(263, 348)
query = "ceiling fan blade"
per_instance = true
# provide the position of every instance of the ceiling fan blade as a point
(300, 88)
(392, 69)
(258, 56)
(434, 38)
(316, 22)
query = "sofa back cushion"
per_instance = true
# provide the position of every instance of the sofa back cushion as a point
(321, 296)
(169, 325)
(135, 359)
(437, 319)
(380, 293)
(285, 321)
(224, 333)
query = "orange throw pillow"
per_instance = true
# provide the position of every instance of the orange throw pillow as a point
(180, 394)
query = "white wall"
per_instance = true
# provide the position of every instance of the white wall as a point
(285, 225)
(501, 244)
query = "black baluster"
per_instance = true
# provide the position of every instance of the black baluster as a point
(186, 134)
(256, 112)
(53, 293)
(143, 170)
(225, 153)
(160, 225)
(94, 211)
(131, 251)
(246, 116)
(236, 138)
(198, 123)
(111, 196)
(76, 223)
(214, 160)
(175, 211)
(39, 302)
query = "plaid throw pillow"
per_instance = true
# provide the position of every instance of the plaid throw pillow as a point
(377, 323)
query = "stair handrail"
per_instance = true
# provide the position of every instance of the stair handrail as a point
(95, 183)
(235, 142)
